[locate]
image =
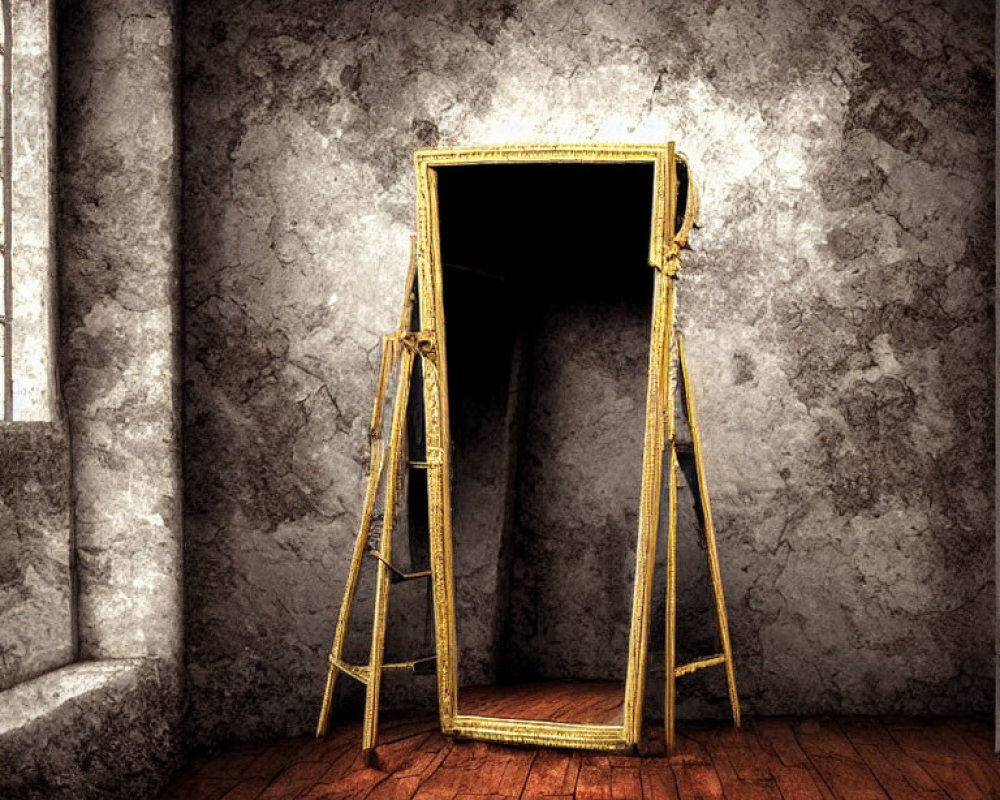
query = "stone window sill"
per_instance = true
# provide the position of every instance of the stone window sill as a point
(93, 727)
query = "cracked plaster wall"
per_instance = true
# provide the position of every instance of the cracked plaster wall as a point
(120, 370)
(36, 603)
(837, 307)
(117, 243)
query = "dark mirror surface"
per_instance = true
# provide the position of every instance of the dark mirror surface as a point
(547, 305)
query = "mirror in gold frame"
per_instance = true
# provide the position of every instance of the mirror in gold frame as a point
(545, 277)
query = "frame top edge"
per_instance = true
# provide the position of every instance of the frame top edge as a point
(432, 156)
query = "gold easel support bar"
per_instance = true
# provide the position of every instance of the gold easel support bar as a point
(398, 574)
(362, 673)
(417, 665)
(356, 671)
(711, 661)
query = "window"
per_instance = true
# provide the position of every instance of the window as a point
(7, 313)
(27, 101)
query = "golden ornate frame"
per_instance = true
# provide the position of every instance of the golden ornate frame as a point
(665, 243)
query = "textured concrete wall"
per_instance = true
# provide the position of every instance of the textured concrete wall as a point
(119, 321)
(839, 318)
(36, 602)
(837, 309)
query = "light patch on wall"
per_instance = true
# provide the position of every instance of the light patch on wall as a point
(706, 126)
(512, 129)
(791, 161)
(714, 129)
(615, 128)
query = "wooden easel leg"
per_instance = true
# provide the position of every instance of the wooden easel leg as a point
(361, 543)
(670, 629)
(712, 552)
(394, 355)
(324, 712)
(369, 736)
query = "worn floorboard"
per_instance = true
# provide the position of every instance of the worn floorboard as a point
(846, 758)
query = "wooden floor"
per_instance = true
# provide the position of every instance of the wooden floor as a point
(592, 702)
(769, 759)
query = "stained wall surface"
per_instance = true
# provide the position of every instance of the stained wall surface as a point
(118, 321)
(837, 308)
(94, 729)
(37, 626)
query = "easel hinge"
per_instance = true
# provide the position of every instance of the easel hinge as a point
(422, 343)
